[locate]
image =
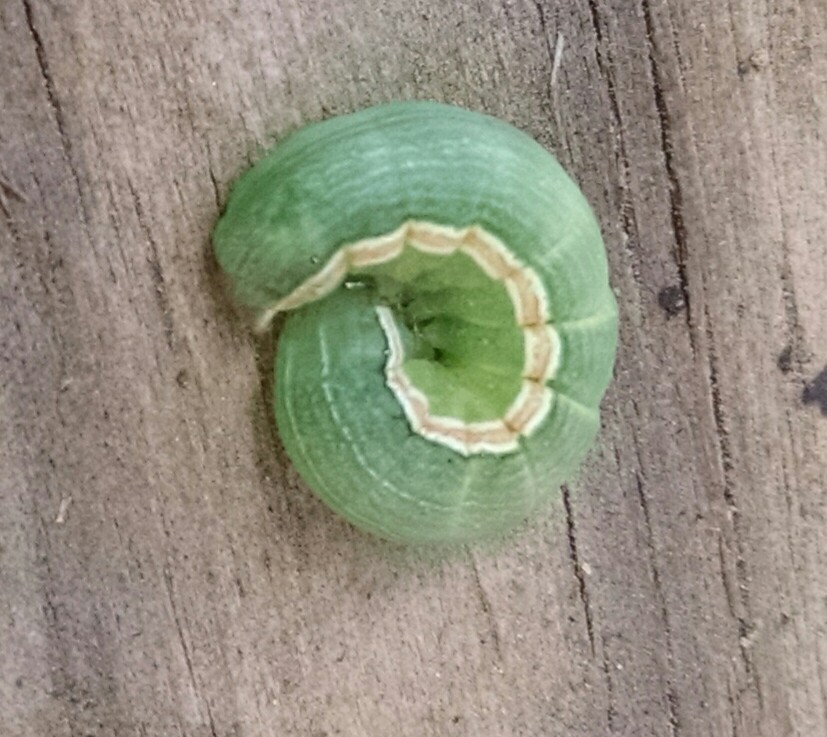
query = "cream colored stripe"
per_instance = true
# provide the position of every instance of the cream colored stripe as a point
(531, 313)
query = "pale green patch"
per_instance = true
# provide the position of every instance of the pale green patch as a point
(463, 348)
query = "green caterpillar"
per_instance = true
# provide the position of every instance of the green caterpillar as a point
(450, 328)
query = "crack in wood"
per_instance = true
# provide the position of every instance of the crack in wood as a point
(571, 529)
(728, 595)
(735, 711)
(61, 684)
(155, 271)
(7, 216)
(628, 216)
(675, 189)
(7, 188)
(727, 466)
(795, 331)
(555, 56)
(55, 105)
(215, 188)
(485, 603)
(611, 709)
(671, 695)
(541, 15)
(184, 647)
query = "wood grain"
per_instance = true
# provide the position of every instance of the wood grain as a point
(163, 571)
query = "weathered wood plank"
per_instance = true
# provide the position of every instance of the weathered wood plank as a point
(162, 568)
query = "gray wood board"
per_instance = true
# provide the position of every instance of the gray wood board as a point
(163, 571)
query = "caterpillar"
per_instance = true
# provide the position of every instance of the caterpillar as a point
(449, 326)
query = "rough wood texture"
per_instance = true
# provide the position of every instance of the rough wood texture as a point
(162, 569)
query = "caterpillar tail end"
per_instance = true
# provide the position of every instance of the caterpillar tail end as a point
(264, 321)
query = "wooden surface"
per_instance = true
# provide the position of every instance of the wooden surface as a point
(162, 569)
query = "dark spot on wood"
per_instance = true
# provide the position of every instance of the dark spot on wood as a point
(816, 392)
(9, 189)
(785, 360)
(671, 300)
(755, 62)
(182, 378)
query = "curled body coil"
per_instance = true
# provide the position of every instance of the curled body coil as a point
(450, 328)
